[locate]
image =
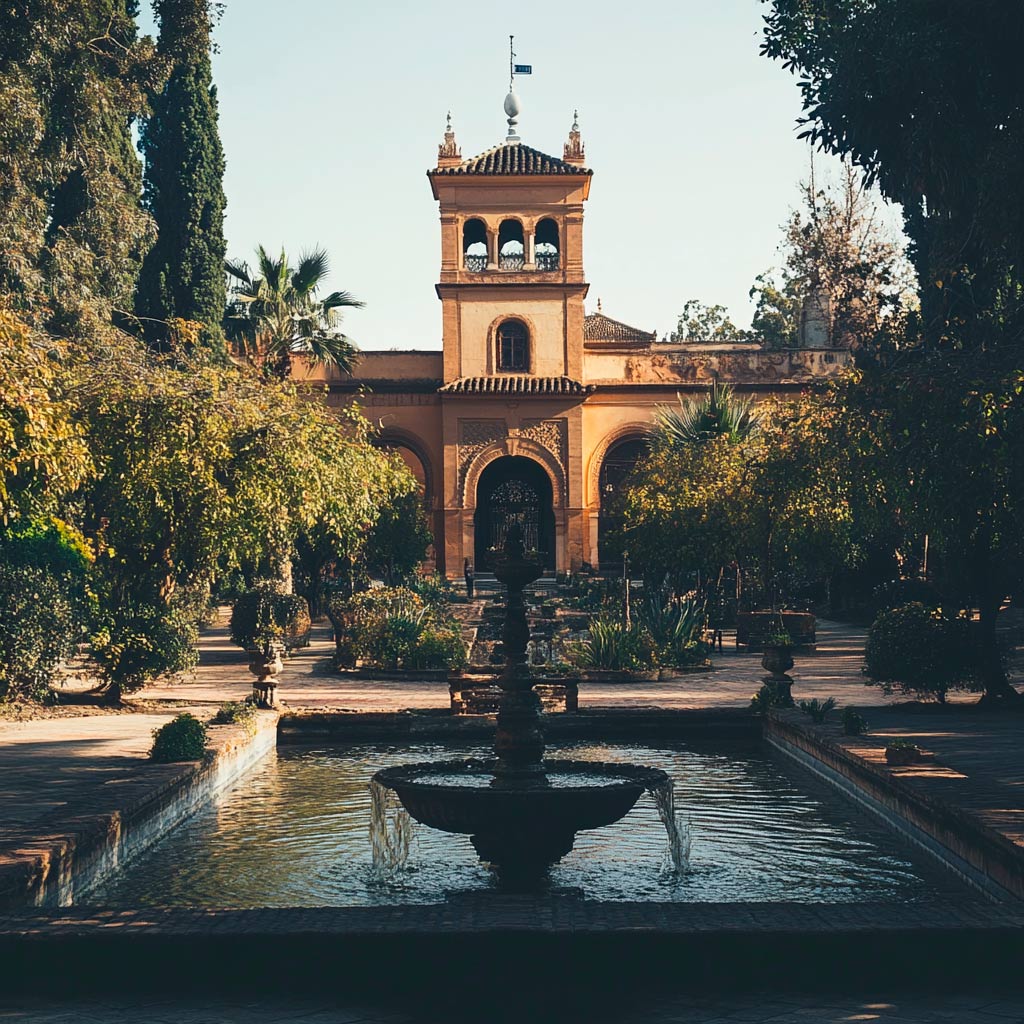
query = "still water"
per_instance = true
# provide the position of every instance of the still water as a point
(295, 832)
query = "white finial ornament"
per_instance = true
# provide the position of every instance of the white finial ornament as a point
(512, 109)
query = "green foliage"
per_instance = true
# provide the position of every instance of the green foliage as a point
(276, 314)
(768, 697)
(395, 628)
(398, 541)
(144, 642)
(773, 501)
(182, 739)
(182, 276)
(616, 646)
(264, 614)
(854, 723)
(675, 628)
(915, 649)
(718, 414)
(40, 626)
(43, 455)
(237, 712)
(707, 324)
(73, 77)
(818, 710)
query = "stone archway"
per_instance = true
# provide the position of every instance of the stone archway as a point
(510, 489)
(618, 461)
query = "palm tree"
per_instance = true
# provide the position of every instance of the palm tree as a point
(276, 314)
(719, 413)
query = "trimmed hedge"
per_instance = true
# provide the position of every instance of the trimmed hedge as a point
(182, 739)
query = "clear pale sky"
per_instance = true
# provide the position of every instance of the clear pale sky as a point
(331, 114)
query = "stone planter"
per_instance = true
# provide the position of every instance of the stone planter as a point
(752, 628)
(777, 660)
(902, 755)
(266, 665)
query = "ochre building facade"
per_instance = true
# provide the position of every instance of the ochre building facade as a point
(534, 410)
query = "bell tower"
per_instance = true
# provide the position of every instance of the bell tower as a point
(511, 283)
(512, 288)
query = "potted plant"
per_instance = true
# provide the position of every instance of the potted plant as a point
(263, 622)
(777, 660)
(901, 751)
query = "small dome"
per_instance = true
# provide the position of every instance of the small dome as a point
(512, 107)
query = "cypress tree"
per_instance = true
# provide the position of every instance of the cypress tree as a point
(183, 274)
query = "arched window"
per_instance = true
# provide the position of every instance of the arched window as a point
(513, 347)
(511, 251)
(474, 245)
(546, 245)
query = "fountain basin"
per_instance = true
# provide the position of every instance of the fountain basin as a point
(521, 825)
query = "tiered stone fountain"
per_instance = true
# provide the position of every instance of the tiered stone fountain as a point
(522, 812)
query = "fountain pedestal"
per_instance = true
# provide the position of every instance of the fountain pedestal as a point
(521, 812)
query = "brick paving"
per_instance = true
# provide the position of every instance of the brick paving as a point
(881, 1007)
(832, 670)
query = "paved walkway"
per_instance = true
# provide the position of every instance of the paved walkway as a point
(883, 1008)
(833, 670)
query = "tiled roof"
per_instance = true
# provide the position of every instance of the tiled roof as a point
(512, 158)
(509, 384)
(598, 327)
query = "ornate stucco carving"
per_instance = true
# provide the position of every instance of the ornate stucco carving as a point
(549, 433)
(474, 437)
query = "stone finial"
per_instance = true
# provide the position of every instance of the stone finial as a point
(574, 151)
(599, 305)
(448, 153)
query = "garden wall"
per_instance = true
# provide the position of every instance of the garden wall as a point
(75, 853)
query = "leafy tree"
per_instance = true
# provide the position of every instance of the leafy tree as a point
(701, 323)
(276, 314)
(767, 501)
(719, 413)
(399, 540)
(73, 78)
(183, 274)
(43, 454)
(839, 254)
(926, 99)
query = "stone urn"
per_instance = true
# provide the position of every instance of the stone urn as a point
(266, 664)
(777, 660)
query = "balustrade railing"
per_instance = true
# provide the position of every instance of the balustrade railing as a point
(475, 264)
(547, 261)
(512, 261)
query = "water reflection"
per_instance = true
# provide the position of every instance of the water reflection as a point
(295, 833)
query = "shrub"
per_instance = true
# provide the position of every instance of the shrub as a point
(183, 739)
(675, 628)
(615, 646)
(768, 697)
(917, 649)
(854, 723)
(148, 641)
(40, 625)
(237, 712)
(397, 628)
(264, 614)
(440, 647)
(818, 709)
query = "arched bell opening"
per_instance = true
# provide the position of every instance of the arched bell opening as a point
(474, 245)
(511, 247)
(546, 248)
